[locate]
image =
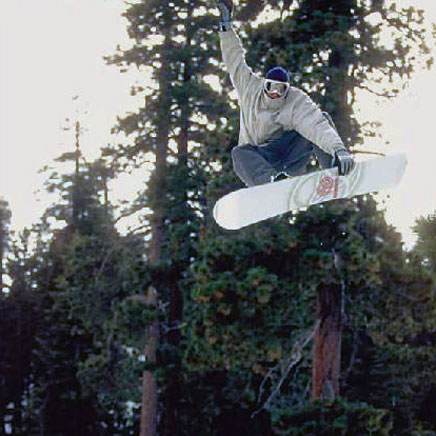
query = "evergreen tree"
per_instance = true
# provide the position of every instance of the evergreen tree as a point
(64, 340)
(306, 40)
(176, 40)
(223, 321)
(331, 48)
(19, 316)
(82, 270)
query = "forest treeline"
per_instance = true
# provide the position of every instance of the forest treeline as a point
(178, 327)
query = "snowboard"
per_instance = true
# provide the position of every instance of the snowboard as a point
(250, 205)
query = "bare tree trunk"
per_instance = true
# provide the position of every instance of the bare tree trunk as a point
(149, 385)
(149, 409)
(327, 344)
(148, 419)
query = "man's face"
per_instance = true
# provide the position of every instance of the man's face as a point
(275, 89)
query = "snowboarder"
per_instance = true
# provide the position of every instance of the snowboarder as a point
(281, 128)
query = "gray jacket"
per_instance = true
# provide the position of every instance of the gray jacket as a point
(263, 118)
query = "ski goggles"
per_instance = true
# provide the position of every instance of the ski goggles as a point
(271, 86)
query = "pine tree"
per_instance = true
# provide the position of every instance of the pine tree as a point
(335, 49)
(304, 39)
(82, 270)
(19, 317)
(239, 319)
(171, 127)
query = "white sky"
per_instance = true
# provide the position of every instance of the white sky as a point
(52, 50)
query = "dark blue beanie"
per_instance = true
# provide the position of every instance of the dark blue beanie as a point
(279, 74)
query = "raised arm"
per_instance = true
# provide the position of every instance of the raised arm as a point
(233, 53)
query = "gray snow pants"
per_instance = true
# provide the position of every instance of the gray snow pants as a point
(290, 153)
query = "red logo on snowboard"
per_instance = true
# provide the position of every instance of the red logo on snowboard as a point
(328, 186)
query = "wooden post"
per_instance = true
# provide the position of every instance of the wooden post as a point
(327, 343)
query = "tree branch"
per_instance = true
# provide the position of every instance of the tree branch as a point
(293, 360)
(378, 94)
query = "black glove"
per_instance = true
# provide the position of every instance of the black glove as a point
(344, 161)
(226, 9)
